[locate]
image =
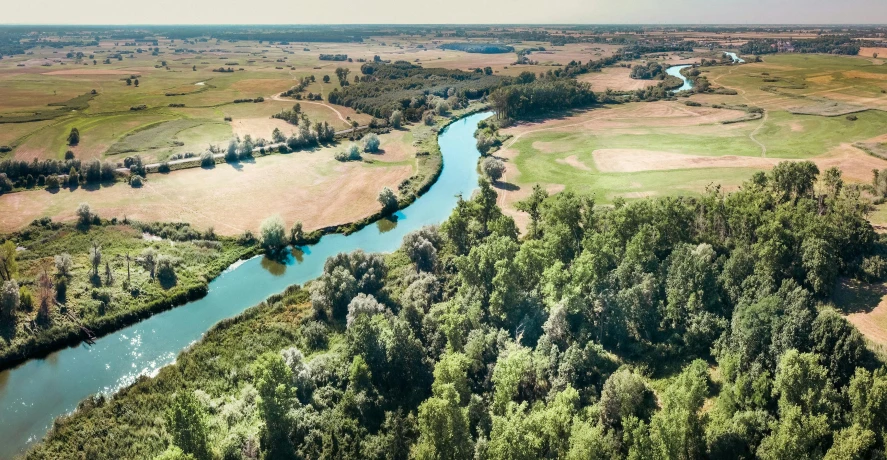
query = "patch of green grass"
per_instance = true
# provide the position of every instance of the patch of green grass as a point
(100, 303)
(818, 134)
(543, 168)
(164, 134)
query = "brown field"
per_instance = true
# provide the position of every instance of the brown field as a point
(306, 186)
(90, 72)
(869, 52)
(615, 78)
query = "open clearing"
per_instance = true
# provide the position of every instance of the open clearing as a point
(615, 78)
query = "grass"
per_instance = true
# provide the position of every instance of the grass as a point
(102, 304)
(166, 135)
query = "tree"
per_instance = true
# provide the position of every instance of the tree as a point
(326, 78)
(493, 168)
(231, 155)
(136, 82)
(129, 82)
(677, 430)
(10, 298)
(273, 234)
(371, 143)
(388, 200)
(8, 263)
(396, 119)
(63, 265)
(95, 257)
(443, 427)
(297, 235)
(532, 205)
(74, 137)
(149, 261)
(277, 137)
(166, 270)
(186, 422)
(84, 215)
(363, 304)
(276, 397)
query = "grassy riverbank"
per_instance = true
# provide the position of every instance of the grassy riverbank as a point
(114, 292)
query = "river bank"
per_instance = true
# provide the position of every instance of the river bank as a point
(119, 359)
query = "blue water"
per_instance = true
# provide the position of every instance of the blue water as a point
(675, 71)
(35, 393)
(735, 57)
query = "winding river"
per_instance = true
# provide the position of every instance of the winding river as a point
(34, 394)
(675, 71)
(735, 57)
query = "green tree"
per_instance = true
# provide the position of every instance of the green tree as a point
(852, 443)
(388, 200)
(276, 397)
(396, 119)
(443, 427)
(186, 421)
(677, 429)
(273, 233)
(8, 262)
(493, 168)
(74, 137)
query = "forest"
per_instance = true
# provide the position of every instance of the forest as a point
(660, 328)
(831, 44)
(401, 86)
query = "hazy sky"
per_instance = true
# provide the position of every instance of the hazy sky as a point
(441, 12)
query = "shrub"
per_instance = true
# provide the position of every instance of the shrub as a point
(165, 269)
(207, 160)
(428, 118)
(352, 153)
(371, 143)
(135, 181)
(52, 182)
(164, 167)
(314, 336)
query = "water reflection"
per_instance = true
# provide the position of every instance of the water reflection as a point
(386, 224)
(298, 254)
(275, 266)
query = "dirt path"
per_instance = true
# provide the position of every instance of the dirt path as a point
(277, 97)
(752, 135)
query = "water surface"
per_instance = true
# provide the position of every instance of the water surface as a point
(35, 393)
(675, 71)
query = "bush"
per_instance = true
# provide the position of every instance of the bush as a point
(135, 181)
(52, 182)
(165, 269)
(164, 167)
(207, 160)
(314, 336)
(84, 214)
(352, 153)
(371, 143)
(428, 118)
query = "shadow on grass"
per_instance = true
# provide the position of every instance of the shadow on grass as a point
(506, 186)
(853, 296)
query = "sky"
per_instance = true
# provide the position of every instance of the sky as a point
(444, 12)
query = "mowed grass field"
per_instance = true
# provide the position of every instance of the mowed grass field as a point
(667, 148)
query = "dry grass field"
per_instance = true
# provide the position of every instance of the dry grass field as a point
(307, 186)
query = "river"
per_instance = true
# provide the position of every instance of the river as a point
(675, 71)
(33, 394)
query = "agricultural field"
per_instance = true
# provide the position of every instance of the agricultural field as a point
(669, 148)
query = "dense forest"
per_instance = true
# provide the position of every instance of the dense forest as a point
(533, 97)
(831, 44)
(484, 48)
(410, 89)
(661, 328)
